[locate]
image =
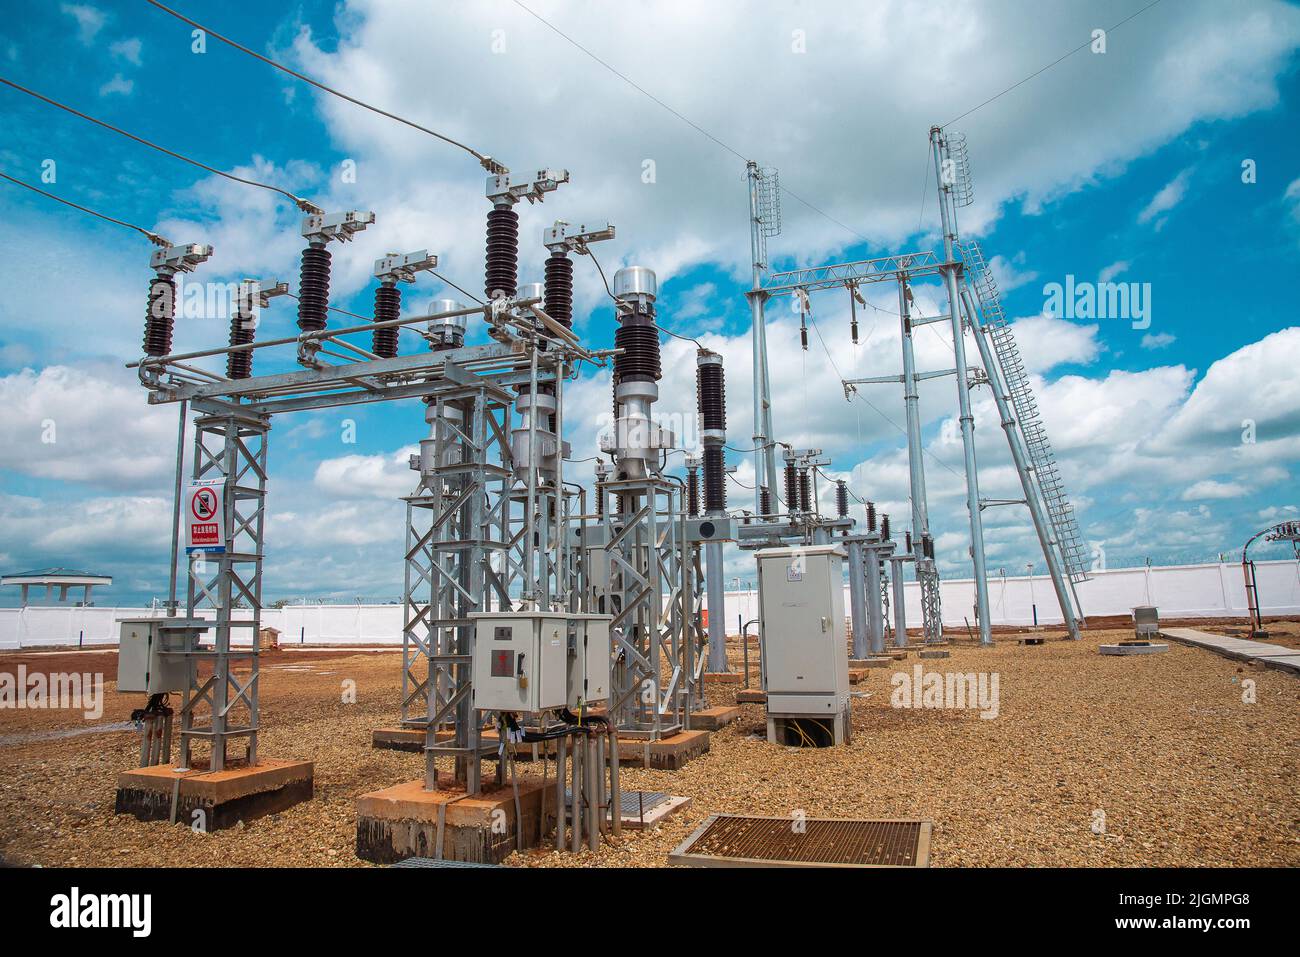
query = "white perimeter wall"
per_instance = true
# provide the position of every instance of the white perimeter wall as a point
(1179, 591)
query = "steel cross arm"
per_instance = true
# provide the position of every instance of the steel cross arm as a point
(355, 397)
(876, 380)
(896, 379)
(327, 333)
(832, 275)
(314, 380)
(351, 397)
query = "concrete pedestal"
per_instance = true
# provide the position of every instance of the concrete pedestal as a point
(818, 730)
(714, 719)
(213, 799)
(666, 754)
(408, 821)
(1133, 648)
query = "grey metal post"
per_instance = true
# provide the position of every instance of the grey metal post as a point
(857, 600)
(655, 607)
(561, 753)
(923, 568)
(467, 718)
(716, 590)
(963, 397)
(615, 792)
(221, 670)
(1023, 468)
(166, 755)
(875, 613)
(911, 400)
(575, 796)
(764, 454)
(900, 611)
(146, 741)
(176, 515)
(590, 773)
(531, 548)
(602, 782)
(764, 458)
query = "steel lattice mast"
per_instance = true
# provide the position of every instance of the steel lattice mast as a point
(1053, 516)
(955, 190)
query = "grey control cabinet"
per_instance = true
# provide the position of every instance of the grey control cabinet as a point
(534, 661)
(150, 657)
(589, 676)
(801, 621)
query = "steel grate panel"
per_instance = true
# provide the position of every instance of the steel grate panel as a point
(435, 862)
(632, 803)
(735, 840)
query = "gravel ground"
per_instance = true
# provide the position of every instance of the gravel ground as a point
(1183, 770)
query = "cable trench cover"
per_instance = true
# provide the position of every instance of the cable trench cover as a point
(736, 840)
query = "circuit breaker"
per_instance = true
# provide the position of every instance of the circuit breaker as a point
(150, 657)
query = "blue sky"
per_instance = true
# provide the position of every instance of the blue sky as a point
(1123, 165)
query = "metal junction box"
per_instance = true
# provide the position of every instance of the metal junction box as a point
(805, 652)
(535, 661)
(589, 675)
(150, 657)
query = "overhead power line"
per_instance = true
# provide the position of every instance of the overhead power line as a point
(152, 237)
(298, 201)
(855, 391)
(689, 122)
(158, 240)
(459, 289)
(629, 81)
(1060, 59)
(487, 162)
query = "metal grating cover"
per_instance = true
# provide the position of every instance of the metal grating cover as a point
(732, 840)
(632, 803)
(434, 862)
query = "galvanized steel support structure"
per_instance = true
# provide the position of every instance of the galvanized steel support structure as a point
(948, 184)
(229, 450)
(653, 596)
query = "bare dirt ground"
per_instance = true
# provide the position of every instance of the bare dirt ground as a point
(1181, 769)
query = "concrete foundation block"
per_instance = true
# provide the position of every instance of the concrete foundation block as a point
(222, 798)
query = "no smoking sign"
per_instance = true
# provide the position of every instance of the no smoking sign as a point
(203, 514)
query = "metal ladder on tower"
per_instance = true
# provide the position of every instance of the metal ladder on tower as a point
(1074, 552)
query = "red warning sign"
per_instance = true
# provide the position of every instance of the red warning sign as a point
(503, 664)
(203, 518)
